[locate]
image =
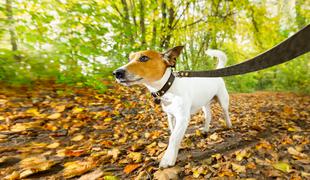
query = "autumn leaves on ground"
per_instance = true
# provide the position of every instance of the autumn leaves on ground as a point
(54, 132)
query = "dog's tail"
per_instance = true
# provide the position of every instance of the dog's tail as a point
(220, 55)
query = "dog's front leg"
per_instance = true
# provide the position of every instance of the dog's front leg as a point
(171, 122)
(170, 156)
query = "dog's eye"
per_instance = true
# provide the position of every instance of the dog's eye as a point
(144, 58)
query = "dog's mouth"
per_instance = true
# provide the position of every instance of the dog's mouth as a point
(130, 81)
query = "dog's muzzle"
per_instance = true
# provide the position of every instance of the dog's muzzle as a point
(123, 77)
(119, 73)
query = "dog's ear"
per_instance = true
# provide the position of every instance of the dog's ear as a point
(171, 55)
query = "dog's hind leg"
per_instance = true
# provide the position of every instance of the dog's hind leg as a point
(208, 117)
(171, 122)
(223, 98)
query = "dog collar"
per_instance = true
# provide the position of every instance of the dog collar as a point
(163, 90)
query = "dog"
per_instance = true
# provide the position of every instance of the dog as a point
(184, 96)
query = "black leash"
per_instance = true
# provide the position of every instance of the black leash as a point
(292, 47)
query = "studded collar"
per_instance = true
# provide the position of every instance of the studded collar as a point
(164, 89)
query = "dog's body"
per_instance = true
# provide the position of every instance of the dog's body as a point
(185, 97)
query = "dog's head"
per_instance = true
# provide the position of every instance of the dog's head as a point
(146, 66)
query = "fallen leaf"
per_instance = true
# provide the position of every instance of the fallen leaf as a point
(14, 175)
(53, 145)
(251, 165)
(153, 144)
(77, 138)
(141, 175)
(103, 113)
(24, 126)
(92, 175)
(162, 145)
(76, 168)
(216, 156)
(33, 165)
(3, 101)
(74, 153)
(107, 119)
(50, 126)
(54, 116)
(238, 168)
(60, 108)
(4, 158)
(168, 174)
(296, 154)
(241, 154)
(273, 173)
(226, 173)
(77, 110)
(110, 178)
(106, 144)
(263, 144)
(114, 153)
(294, 129)
(197, 171)
(147, 135)
(33, 111)
(305, 174)
(198, 132)
(287, 140)
(130, 168)
(135, 156)
(137, 147)
(282, 166)
(262, 162)
(214, 136)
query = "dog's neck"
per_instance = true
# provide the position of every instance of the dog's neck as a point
(157, 85)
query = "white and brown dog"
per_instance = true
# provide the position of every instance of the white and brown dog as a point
(181, 97)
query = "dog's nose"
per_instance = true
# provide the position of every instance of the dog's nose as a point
(119, 73)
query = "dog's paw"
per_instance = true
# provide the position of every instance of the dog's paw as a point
(165, 164)
(167, 161)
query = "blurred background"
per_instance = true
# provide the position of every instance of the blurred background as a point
(82, 41)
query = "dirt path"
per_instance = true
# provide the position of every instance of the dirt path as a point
(56, 132)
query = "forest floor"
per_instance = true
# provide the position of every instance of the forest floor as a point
(53, 131)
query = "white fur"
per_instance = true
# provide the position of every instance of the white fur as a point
(185, 97)
(220, 55)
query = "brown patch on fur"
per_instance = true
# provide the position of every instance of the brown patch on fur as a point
(151, 70)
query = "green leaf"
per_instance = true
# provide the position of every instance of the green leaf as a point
(282, 166)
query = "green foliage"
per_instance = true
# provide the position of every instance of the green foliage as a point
(83, 41)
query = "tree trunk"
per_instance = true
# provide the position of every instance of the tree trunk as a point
(127, 20)
(170, 24)
(165, 40)
(154, 29)
(10, 21)
(142, 25)
(163, 23)
(133, 15)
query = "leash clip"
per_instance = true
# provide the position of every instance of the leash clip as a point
(155, 94)
(156, 97)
